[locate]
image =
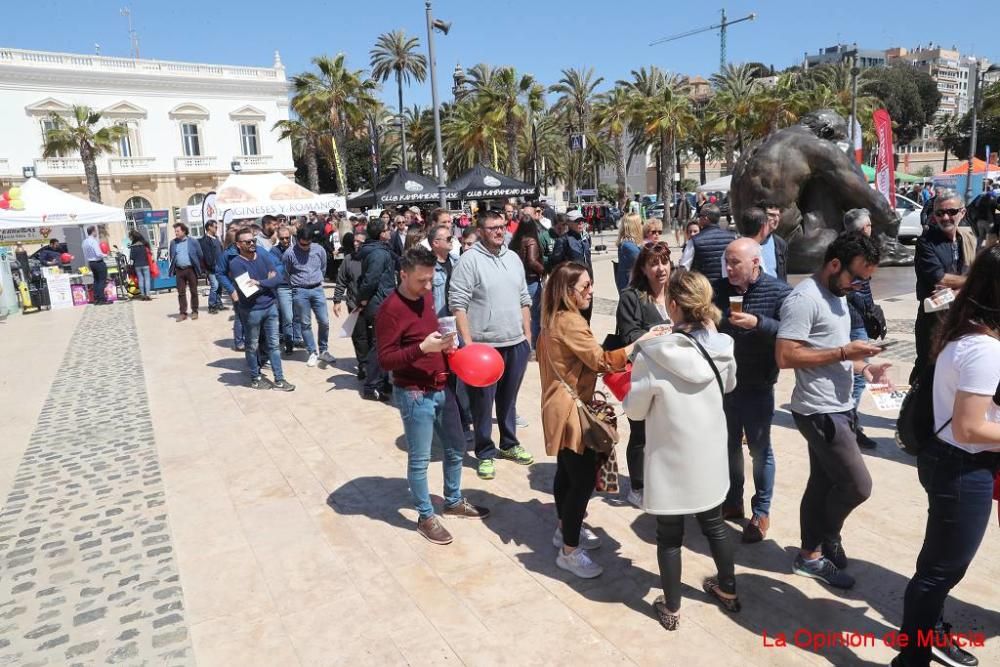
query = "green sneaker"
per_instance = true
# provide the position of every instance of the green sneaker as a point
(487, 470)
(517, 454)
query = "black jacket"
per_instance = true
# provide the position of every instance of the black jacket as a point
(709, 247)
(211, 248)
(378, 275)
(636, 315)
(781, 257)
(348, 277)
(754, 348)
(935, 257)
(571, 247)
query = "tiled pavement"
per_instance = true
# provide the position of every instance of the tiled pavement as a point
(87, 562)
(294, 542)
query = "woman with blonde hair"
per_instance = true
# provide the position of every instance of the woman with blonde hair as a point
(569, 360)
(678, 382)
(629, 240)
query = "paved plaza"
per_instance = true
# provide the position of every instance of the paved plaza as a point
(157, 511)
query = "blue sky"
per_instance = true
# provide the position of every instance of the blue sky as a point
(539, 36)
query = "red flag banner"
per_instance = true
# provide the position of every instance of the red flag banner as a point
(885, 172)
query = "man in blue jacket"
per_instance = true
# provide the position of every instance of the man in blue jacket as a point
(378, 280)
(751, 302)
(257, 299)
(703, 253)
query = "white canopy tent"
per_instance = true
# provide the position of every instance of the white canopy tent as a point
(46, 206)
(720, 184)
(254, 195)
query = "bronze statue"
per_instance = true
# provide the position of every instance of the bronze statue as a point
(802, 171)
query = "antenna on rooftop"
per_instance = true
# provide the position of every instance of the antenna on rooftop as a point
(133, 37)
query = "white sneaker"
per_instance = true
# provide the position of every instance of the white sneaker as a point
(327, 358)
(520, 421)
(579, 563)
(588, 539)
(634, 498)
(313, 360)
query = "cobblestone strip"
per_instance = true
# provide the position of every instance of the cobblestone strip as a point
(87, 571)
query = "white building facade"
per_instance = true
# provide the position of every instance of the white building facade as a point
(189, 125)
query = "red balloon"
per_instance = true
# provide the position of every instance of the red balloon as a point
(105, 248)
(619, 383)
(65, 258)
(4, 204)
(477, 365)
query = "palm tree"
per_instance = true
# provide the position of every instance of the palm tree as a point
(735, 88)
(344, 95)
(660, 114)
(510, 98)
(467, 135)
(84, 137)
(576, 91)
(420, 128)
(611, 115)
(305, 133)
(704, 138)
(396, 54)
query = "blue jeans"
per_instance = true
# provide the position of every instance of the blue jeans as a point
(290, 329)
(238, 338)
(750, 410)
(859, 380)
(535, 292)
(214, 293)
(144, 279)
(429, 416)
(312, 300)
(503, 397)
(257, 321)
(959, 490)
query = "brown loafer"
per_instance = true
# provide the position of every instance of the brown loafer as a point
(756, 530)
(194, 315)
(433, 531)
(182, 317)
(463, 509)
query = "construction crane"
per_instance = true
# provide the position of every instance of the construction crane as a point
(721, 27)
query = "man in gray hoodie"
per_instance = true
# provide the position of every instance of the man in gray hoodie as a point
(489, 298)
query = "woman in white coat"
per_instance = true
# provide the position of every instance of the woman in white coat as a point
(677, 386)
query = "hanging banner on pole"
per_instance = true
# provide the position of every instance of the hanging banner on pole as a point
(885, 172)
(857, 147)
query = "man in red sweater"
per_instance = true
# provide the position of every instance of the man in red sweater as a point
(409, 345)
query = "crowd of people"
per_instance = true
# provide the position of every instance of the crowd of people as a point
(704, 339)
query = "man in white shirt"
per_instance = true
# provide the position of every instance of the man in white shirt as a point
(94, 256)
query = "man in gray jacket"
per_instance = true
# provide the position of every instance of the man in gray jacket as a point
(489, 298)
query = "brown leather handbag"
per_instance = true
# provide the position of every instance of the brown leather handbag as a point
(598, 422)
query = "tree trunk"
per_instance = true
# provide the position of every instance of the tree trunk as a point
(661, 183)
(730, 152)
(620, 169)
(668, 202)
(402, 119)
(90, 170)
(701, 168)
(338, 162)
(312, 165)
(512, 156)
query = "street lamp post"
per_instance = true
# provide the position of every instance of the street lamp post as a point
(432, 25)
(977, 85)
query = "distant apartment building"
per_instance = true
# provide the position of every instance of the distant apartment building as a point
(836, 54)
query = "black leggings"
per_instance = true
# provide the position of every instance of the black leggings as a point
(670, 534)
(574, 483)
(635, 452)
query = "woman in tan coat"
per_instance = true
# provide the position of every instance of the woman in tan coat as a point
(568, 353)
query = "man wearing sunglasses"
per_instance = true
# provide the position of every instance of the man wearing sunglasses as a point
(940, 263)
(814, 339)
(256, 297)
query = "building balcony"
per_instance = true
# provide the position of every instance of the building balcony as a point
(196, 163)
(121, 166)
(58, 166)
(255, 162)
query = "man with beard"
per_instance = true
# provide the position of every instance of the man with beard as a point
(814, 338)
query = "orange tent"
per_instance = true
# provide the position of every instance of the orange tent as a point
(962, 168)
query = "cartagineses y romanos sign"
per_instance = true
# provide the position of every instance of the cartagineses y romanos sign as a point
(321, 203)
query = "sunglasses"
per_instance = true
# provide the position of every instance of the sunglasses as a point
(947, 211)
(249, 241)
(448, 238)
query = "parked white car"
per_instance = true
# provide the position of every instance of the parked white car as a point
(909, 225)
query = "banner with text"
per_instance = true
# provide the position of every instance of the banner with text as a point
(885, 172)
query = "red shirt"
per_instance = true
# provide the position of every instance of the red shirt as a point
(400, 326)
